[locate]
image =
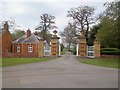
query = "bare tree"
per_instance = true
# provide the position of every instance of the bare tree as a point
(83, 17)
(45, 25)
(69, 34)
(10, 21)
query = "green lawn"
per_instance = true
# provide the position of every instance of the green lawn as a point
(112, 62)
(16, 61)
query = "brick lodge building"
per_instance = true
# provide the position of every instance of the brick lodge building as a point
(29, 45)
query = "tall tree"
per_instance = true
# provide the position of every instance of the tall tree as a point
(110, 21)
(17, 33)
(94, 30)
(83, 17)
(69, 34)
(112, 9)
(10, 21)
(46, 24)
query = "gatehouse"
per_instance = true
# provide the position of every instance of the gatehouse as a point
(29, 45)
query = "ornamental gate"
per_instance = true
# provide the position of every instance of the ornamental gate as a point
(47, 49)
(83, 50)
(90, 51)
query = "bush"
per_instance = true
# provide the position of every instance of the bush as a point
(73, 51)
(62, 47)
(110, 51)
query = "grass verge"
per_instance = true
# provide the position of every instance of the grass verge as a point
(104, 62)
(17, 61)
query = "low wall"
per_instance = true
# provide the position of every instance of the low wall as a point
(110, 56)
(16, 55)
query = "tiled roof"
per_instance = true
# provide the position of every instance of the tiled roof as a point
(20, 40)
(32, 39)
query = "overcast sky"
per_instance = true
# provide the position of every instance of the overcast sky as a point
(26, 13)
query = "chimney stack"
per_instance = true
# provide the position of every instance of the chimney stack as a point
(6, 26)
(28, 34)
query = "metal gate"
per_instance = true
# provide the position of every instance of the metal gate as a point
(90, 51)
(47, 49)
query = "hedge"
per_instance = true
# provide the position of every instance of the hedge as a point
(110, 51)
(104, 51)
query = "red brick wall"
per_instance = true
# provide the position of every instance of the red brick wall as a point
(110, 56)
(14, 48)
(6, 42)
(24, 50)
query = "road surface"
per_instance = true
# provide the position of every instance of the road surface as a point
(64, 72)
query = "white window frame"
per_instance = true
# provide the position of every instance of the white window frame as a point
(30, 48)
(18, 48)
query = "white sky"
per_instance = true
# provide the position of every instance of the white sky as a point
(26, 13)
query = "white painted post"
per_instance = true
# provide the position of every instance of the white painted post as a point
(77, 49)
(59, 49)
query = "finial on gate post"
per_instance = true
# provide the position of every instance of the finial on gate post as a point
(82, 34)
(55, 32)
(41, 36)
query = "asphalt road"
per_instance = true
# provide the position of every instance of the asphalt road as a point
(64, 72)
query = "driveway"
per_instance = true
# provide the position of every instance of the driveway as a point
(64, 72)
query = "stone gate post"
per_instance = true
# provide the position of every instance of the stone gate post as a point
(82, 51)
(55, 45)
(97, 48)
(41, 48)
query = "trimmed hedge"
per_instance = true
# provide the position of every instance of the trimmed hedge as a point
(110, 51)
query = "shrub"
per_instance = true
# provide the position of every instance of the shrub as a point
(110, 51)
(73, 51)
(62, 47)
